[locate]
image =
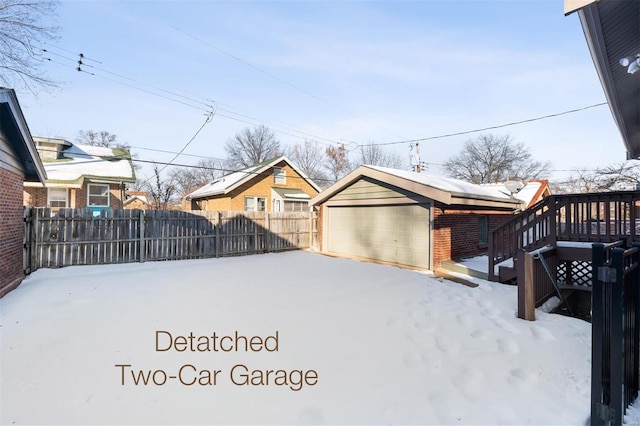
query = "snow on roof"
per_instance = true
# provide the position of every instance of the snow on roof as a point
(86, 160)
(228, 182)
(219, 186)
(526, 194)
(445, 184)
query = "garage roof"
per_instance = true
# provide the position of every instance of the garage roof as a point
(612, 31)
(445, 190)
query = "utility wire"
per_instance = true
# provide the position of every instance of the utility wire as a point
(466, 132)
(206, 121)
(356, 145)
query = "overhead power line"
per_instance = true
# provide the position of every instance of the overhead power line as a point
(192, 101)
(466, 132)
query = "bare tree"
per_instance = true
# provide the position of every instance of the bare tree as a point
(624, 176)
(375, 155)
(188, 179)
(101, 138)
(490, 158)
(337, 164)
(161, 191)
(309, 157)
(22, 28)
(251, 147)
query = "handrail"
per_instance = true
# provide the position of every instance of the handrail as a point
(592, 217)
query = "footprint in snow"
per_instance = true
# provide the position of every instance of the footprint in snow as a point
(508, 346)
(465, 320)
(522, 379)
(480, 334)
(541, 333)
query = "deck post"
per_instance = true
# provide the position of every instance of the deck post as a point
(526, 287)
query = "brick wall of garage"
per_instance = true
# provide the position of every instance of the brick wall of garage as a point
(11, 230)
(456, 232)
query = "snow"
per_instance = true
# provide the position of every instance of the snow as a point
(445, 184)
(390, 346)
(88, 160)
(526, 194)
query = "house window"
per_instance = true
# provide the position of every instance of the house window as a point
(296, 206)
(279, 176)
(57, 198)
(255, 204)
(483, 230)
(98, 195)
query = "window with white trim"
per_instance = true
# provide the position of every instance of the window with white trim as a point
(279, 176)
(255, 204)
(98, 195)
(57, 198)
(296, 206)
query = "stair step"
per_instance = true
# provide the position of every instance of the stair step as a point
(452, 266)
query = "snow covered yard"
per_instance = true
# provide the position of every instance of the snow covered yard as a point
(389, 346)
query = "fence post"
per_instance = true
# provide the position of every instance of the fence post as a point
(142, 239)
(616, 346)
(635, 282)
(267, 239)
(217, 226)
(597, 330)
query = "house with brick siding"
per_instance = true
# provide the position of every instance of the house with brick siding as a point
(275, 185)
(80, 176)
(409, 219)
(19, 163)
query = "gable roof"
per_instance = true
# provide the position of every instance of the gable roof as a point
(529, 193)
(445, 190)
(80, 162)
(229, 182)
(19, 137)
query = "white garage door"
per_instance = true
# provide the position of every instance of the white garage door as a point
(396, 234)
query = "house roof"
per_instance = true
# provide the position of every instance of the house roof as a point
(612, 31)
(19, 137)
(446, 190)
(141, 198)
(529, 193)
(229, 182)
(98, 164)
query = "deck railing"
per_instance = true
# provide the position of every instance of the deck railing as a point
(596, 217)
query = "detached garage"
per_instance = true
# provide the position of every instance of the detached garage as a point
(408, 219)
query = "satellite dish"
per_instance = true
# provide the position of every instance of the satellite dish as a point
(514, 186)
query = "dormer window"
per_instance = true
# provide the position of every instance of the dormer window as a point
(279, 176)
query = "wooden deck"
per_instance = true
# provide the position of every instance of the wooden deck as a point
(560, 220)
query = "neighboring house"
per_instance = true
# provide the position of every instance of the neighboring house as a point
(528, 191)
(273, 186)
(408, 219)
(136, 200)
(80, 176)
(19, 163)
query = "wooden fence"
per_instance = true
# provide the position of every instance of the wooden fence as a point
(78, 237)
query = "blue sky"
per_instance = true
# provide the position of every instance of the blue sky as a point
(352, 72)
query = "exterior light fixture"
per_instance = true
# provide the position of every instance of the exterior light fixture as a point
(632, 62)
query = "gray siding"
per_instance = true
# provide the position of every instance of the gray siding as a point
(8, 159)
